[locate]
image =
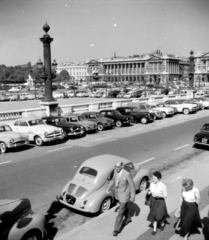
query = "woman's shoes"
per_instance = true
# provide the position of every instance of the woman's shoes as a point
(162, 227)
(154, 232)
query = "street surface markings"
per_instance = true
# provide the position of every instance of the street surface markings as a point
(138, 129)
(150, 159)
(181, 147)
(161, 123)
(5, 162)
(98, 139)
(58, 149)
(176, 179)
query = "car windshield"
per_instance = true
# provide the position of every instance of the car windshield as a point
(116, 113)
(90, 172)
(161, 105)
(99, 115)
(147, 106)
(5, 128)
(205, 128)
(92, 116)
(135, 110)
(36, 122)
(63, 120)
(81, 118)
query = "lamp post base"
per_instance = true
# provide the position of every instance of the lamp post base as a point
(51, 108)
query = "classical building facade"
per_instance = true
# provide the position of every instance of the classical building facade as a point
(152, 68)
(201, 73)
(77, 71)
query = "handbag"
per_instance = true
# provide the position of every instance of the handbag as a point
(148, 199)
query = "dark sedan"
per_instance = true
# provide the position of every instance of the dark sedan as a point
(202, 137)
(70, 129)
(118, 118)
(101, 121)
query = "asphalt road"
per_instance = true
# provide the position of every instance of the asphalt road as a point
(39, 173)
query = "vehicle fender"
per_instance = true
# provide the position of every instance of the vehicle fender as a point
(23, 225)
(138, 177)
(95, 200)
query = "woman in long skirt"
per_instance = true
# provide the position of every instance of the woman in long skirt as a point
(158, 210)
(189, 201)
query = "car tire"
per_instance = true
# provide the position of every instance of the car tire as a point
(144, 120)
(164, 114)
(106, 205)
(100, 127)
(32, 235)
(118, 123)
(38, 141)
(3, 147)
(143, 185)
(186, 111)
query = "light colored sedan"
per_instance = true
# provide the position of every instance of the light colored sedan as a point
(10, 139)
(86, 192)
(37, 131)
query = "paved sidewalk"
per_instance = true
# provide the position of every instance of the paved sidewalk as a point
(101, 228)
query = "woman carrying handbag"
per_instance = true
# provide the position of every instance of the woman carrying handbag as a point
(158, 210)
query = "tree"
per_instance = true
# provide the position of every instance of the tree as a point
(65, 76)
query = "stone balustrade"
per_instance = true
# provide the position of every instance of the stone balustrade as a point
(95, 106)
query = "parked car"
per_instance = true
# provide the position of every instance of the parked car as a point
(147, 106)
(165, 111)
(78, 118)
(137, 94)
(119, 119)
(138, 116)
(203, 101)
(86, 192)
(185, 108)
(31, 96)
(202, 137)
(162, 105)
(11, 97)
(101, 121)
(3, 97)
(36, 130)
(69, 129)
(113, 93)
(19, 222)
(121, 95)
(10, 139)
(198, 105)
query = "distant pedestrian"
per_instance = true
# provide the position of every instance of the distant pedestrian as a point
(125, 188)
(189, 212)
(158, 210)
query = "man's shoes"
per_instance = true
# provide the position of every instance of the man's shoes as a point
(162, 227)
(129, 221)
(115, 233)
(154, 232)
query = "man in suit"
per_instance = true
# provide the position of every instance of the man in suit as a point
(125, 191)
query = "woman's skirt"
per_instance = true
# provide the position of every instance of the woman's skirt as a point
(158, 210)
(190, 218)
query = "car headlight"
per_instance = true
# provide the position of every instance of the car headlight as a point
(11, 141)
(45, 134)
(61, 130)
(71, 129)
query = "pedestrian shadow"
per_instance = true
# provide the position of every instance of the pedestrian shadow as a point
(205, 230)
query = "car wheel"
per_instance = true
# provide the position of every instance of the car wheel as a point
(118, 124)
(144, 120)
(3, 147)
(186, 111)
(164, 114)
(38, 141)
(100, 127)
(32, 235)
(106, 205)
(143, 184)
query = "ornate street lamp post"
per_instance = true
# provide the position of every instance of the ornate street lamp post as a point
(191, 71)
(48, 72)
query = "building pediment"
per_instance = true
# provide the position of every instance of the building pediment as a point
(93, 62)
(154, 57)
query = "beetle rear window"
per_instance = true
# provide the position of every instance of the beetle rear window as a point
(90, 172)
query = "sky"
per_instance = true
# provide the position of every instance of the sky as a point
(94, 29)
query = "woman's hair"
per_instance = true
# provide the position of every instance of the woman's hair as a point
(187, 183)
(157, 174)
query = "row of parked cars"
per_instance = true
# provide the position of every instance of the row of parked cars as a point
(86, 192)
